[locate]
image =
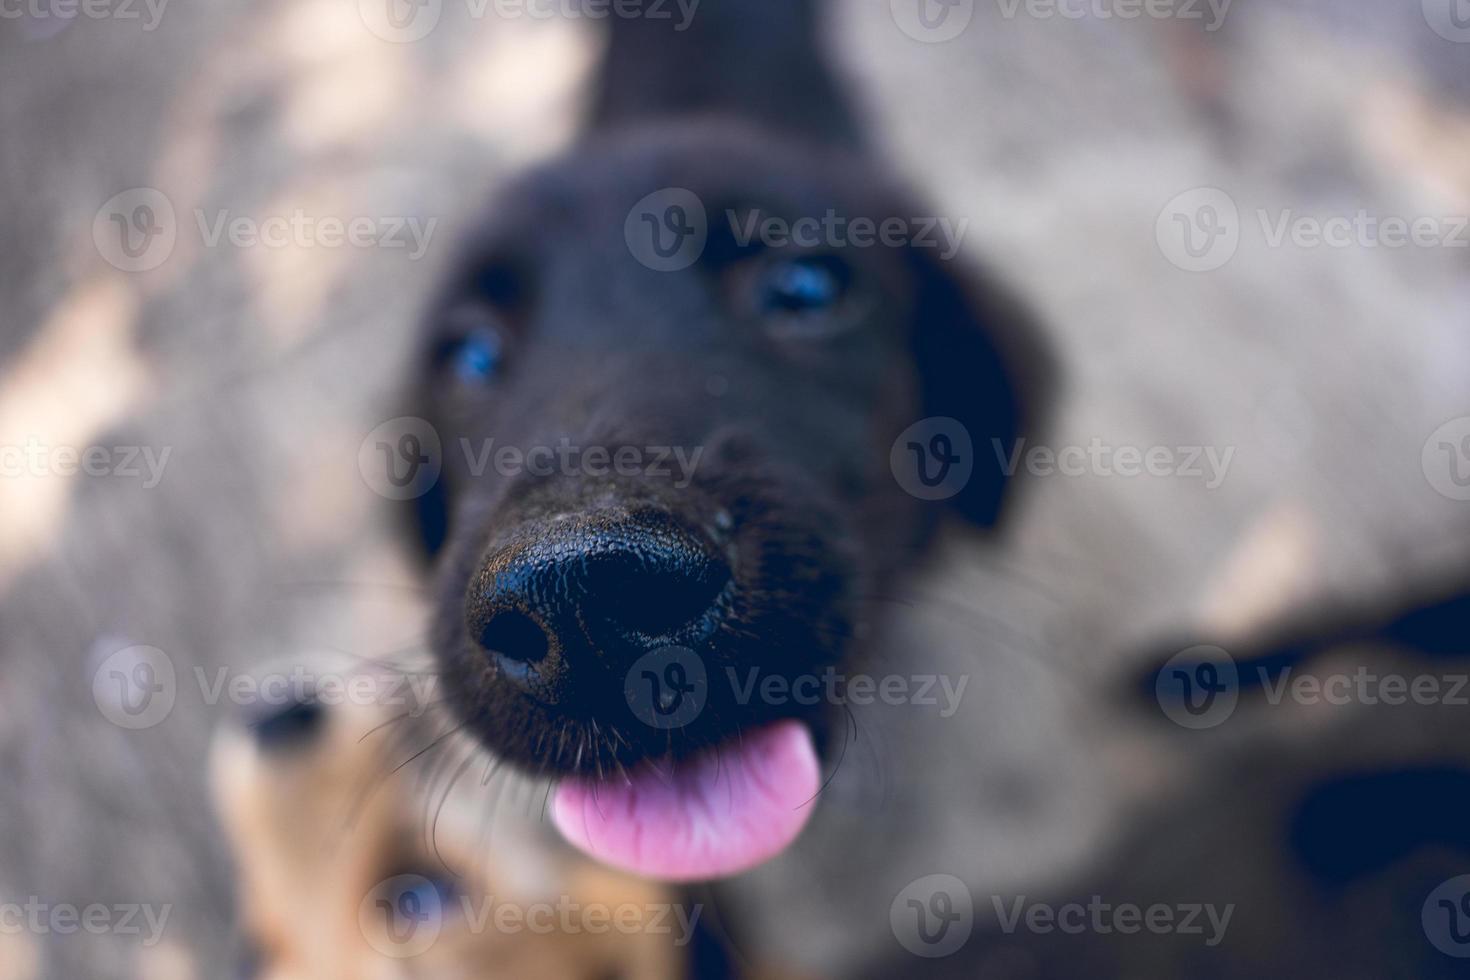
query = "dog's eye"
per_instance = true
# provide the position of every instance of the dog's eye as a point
(475, 348)
(477, 357)
(434, 891)
(797, 288)
(426, 896)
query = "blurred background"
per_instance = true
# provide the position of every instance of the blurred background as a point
(191, 360)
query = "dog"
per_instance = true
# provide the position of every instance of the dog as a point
(1331, 829)
(593, 618)
(350, 869)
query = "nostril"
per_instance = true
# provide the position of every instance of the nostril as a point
(655, 598)
(515, 636)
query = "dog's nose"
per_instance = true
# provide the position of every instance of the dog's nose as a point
(570, 607)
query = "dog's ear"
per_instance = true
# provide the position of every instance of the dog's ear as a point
(982, 361)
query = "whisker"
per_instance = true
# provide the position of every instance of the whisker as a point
(840, 758)
(439, 810)
(432, 745)
(407, 715)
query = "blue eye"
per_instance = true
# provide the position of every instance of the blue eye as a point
(474, 351)
(422, 898)
(809, 284)
(476, 358)
(433, 890)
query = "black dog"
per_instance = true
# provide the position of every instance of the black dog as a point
(701, 491)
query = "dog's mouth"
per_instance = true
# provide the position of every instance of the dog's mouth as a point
(718, 813)
(650, 657)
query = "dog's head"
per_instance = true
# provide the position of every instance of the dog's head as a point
(667, 475)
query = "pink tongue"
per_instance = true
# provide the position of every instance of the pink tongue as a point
(717, 814)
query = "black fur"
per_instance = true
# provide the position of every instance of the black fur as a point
(795, 431)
